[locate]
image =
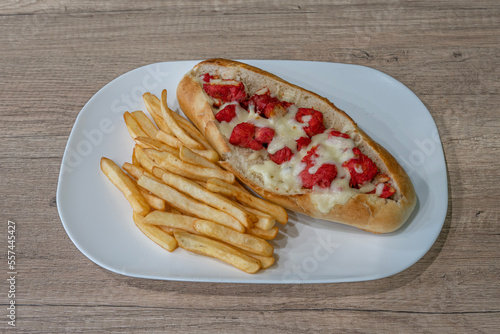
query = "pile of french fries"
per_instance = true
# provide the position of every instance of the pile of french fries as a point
(182, 197)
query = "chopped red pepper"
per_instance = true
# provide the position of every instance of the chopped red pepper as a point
(243, 136)
(311, 156)
(281, 156)
(268, 106)
(303, 142)
(361, 168)
(226, 92)
(264, 135)
(316, 125)
(207, 77)
(226, 114)
(387, 191)
(335, 133)
(323, 176)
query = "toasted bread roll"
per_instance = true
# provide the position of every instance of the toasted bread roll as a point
(295, 148)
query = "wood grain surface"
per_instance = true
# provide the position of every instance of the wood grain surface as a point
(56, 54)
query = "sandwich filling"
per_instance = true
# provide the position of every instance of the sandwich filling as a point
(297, 151)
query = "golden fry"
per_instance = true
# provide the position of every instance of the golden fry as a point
(265, 261)
(179, 132)
(153, 201)
(135, 171)
(126, 185)
(188, 204)
(172, 220)
(169, 230)
(134, 159)
(217, 185)
(168, 139)
(265, 221)
(192, 130)
(146, 142)
(189, 156)
(165, 159)
(208, 247)
(133, 126)
(145, 123)
(155, 113)
(264, 234)
(144, 160)
(156, 234)
(198, 192)
(244, 241)
(210, 155)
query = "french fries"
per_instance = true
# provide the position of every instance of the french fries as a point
(208, 247)
(217, 185)
(135, 171)
(165, 159)
(145, 123)
(188, 204)
(133, 126)
(172, 220)
(181, 196)
(126, 185)
(179, 132)
(191, 130)
(168, 139)
(153, 201)
(143, 159)
(264, 234)
(198, 192)
(265, 261)
(210, 155)
(155, 105)
(155, 233)
(264, 222)
(146, 142)
(155, 113)
(194, 158)
(245, 241)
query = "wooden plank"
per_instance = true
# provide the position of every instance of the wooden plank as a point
(56, 54)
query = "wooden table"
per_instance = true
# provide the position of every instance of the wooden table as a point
(56, 54)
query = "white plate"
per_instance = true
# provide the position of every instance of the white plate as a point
(98, 219)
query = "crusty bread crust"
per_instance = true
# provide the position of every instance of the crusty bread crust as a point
(367, 212)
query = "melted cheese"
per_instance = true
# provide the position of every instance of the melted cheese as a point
(334, 150)
(325, 201)
(241, 116)
(285, 177)
(286, 128)
(379, 188)
(287, 131)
